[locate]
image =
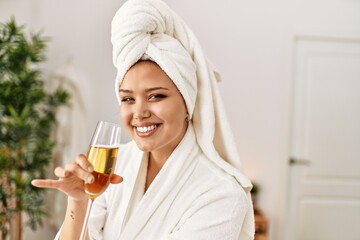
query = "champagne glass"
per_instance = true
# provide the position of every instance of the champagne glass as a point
(102, 155)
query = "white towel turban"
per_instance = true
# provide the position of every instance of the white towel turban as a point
(149, 29)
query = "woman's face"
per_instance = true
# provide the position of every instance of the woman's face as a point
(152, 109)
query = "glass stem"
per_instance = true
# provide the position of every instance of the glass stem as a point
(85, 224)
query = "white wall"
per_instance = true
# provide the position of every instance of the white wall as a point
(249, 42)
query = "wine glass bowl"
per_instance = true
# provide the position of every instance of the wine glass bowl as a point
(103, 160)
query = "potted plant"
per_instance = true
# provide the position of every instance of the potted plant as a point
(27, 119)
(255, 192)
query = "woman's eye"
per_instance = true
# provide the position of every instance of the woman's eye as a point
(157, 97)
(127, 99)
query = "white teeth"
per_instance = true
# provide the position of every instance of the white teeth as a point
(145, 129)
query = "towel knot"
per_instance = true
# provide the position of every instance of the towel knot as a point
(146, 30)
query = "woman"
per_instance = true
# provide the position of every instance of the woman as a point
(182, 175)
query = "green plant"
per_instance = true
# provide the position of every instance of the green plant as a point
(255, 189)
(27, 118)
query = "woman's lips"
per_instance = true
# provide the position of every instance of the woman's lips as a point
(146, 131)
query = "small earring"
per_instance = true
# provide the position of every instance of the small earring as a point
(187, 118)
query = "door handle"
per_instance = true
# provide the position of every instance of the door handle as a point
(295, 161)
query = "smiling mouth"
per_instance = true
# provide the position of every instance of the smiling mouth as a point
(147, 129)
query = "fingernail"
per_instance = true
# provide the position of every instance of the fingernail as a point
(90, 169)
(89, 179)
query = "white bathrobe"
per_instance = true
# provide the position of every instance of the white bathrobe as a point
(191, 198)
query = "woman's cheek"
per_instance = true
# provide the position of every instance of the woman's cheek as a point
(125, 115)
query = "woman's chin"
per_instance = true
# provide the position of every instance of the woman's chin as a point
(144, 147)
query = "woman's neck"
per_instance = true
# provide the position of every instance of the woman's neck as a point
(156, 161)
(155, 164)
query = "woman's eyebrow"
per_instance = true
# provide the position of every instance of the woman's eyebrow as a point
(125, 90)
(154, 89)
(146, 90)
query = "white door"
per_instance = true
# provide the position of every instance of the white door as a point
(324, 200)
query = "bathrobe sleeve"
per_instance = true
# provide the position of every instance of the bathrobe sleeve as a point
(215, 215)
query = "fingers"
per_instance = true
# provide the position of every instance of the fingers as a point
(80, 168)
(115, 179)
(45, 183)
(50, 183)
(60, 172)
(84, 163)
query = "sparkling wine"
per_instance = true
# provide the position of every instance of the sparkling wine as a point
(103, 160)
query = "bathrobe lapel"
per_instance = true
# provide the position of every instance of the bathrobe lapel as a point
(167, 183)
(130, 178)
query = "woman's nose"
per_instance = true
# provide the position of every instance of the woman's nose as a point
(141, 111)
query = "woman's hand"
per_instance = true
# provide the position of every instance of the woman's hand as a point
(72, 179)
